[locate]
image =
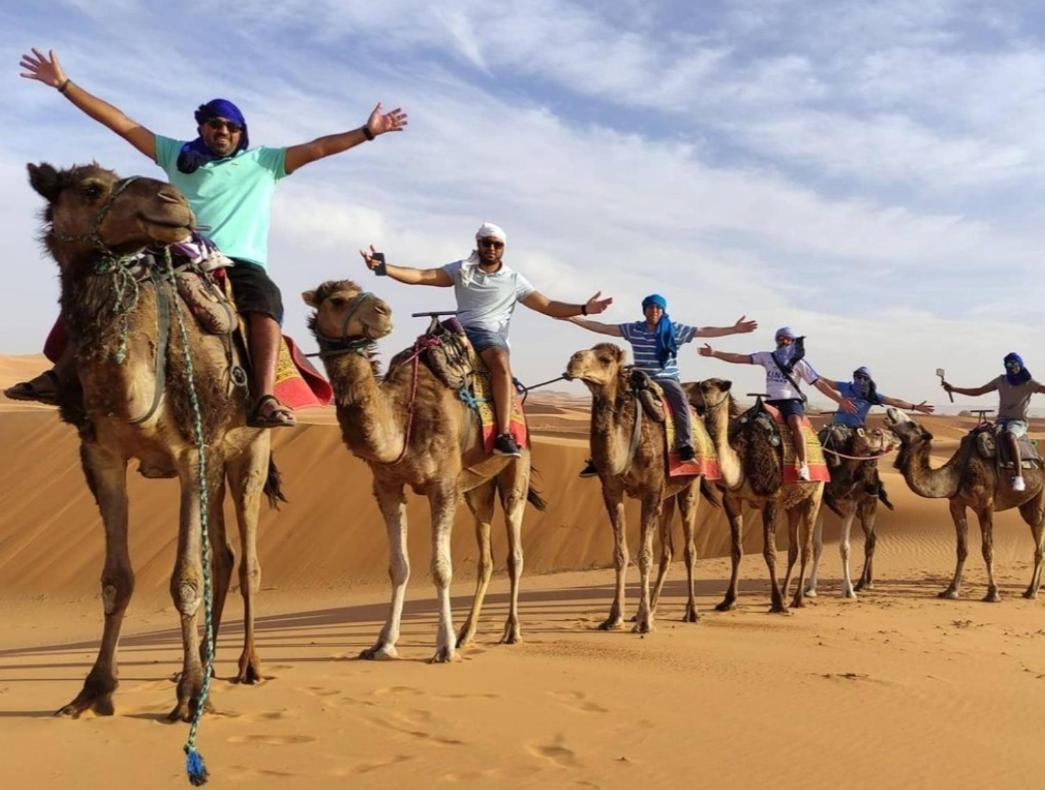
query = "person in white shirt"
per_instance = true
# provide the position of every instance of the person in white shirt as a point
(487, 290)
(785, 367)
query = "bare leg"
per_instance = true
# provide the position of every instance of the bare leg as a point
(651, 512)
(986, 518)
(734, 512)
(961, 528)
(496, 360)
(443, 502)
(797, 439)
(1012, 444)
(265, 338)
(107, 479)
(480, 502)
(667, 551)
(1033, 513)
(614, 500)
(513, 485)
(393, 508)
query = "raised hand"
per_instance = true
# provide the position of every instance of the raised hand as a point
(43, 68)
(923, 407)
(368, 258)
(743, 327)
(391, 121)
(595, 305)
(706, 350)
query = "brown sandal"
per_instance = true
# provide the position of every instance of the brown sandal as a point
(279, 417)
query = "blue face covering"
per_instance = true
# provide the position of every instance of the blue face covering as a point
(196, 153)
(667, 344)
(1016, 375)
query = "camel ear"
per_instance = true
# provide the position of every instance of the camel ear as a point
(45, 180)
(726, 384)
(621, 353)
(309, 297)
(926, 435)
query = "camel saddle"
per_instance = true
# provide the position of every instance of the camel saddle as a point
(769, 427)
(987, 445)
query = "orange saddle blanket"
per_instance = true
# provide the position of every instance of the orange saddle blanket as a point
(706, 460)
(818, 470)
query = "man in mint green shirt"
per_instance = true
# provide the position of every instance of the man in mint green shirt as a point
(229, 186)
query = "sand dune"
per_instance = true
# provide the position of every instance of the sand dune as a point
(896, 688)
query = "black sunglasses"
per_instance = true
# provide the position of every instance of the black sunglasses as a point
(491, 243)
(221, 123)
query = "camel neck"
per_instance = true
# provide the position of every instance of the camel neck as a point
(611, 417)
(371, 426)
(928, 482)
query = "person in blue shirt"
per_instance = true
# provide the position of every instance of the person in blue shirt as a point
(863, 393)
(655, 343)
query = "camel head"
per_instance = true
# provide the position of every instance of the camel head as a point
(345, 312)
(872, 441)
(91, 210)
(912, 436)
(599, 367)
(708, 394)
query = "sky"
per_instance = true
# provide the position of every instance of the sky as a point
(868, 174)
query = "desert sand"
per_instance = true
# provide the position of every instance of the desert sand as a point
(897, 688)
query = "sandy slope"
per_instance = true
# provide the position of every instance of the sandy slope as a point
(897, 688)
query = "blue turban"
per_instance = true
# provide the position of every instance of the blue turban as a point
(667, 343)
(1015, 379)
(862, 371)
(196, 153)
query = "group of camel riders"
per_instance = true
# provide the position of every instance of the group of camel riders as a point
(230, 185)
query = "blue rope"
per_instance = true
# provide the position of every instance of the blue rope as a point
(194, 765)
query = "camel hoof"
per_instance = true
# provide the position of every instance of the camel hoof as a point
(1030, 595)
(464, 639)
(102, 706)
(379, 653)
(779, 608)
(691, 615)
(611, 624)
(850, 593)
(512, 635)
(248, 675)
(992, 596)
(726, 606)
(643, 627)
(186, 709)
(798, 603)
(444, 655)
(864, 586)
(950, 594)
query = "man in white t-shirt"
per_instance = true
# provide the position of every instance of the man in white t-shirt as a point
(487, 290)
(785, 367)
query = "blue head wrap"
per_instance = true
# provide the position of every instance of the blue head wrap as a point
(196, 153)
(1015, 379)
(667, 343)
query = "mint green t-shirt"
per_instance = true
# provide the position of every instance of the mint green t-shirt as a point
(232, 196)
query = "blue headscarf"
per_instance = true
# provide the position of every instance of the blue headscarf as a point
(1015, 379)
(667, 343)
(196, 153)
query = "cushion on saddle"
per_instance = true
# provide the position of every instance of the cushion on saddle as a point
(814, 452)
(705, 462)
(987, 445)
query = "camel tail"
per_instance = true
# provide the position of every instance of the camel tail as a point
(533, 496)
(708, 493)
(883, 497)
(274, 485)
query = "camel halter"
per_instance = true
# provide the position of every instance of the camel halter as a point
(345, 344)
(93, 235)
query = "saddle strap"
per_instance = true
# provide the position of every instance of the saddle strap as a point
(163, 316)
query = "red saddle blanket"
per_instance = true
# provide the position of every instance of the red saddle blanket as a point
(818, 471)
(705, 462)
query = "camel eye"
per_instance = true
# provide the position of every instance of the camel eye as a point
(337, 301)
(92, 191)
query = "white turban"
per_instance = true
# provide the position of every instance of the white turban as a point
(490, 231)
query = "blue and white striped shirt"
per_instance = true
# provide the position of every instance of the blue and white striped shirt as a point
(644, 347)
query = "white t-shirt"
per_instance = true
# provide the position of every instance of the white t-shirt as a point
(487, 301)
(777, 385)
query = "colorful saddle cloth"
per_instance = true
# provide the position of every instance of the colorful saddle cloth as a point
(705, 462)
(479, 393)
(987, 445)
(818, 470)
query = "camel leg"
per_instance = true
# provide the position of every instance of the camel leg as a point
(667, 551)
(734, 513)
(107, 478)
(689, 501)
(961, 528)
(651, 515)
(818, 550)
(614, 500)
(513, 485)
(480, 502)
(443, 503)
(805, 516)
(247, 475)
(843, 549)
(792, 547)
(868, 516)
(187, 589)
(769, 553)
(986, 519)
(1033, 513)
(393, 508)
(222, 560)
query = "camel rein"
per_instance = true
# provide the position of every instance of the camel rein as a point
(344, 344)
(858, 457)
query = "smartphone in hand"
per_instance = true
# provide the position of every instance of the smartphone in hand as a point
(380, 270)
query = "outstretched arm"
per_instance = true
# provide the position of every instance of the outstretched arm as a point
(737, 359)
(988, 387)
(407, 274)
(377, 123)
(922, 407)
(825, 386)
(613, 330)
(542, 304)
(741, 327)
(48, 70)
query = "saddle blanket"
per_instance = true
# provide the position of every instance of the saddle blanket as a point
(818, 470)
(706, 460)
(487, 417)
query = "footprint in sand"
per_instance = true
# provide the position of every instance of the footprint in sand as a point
(397, 690)
(270, 740)
(556, 753)
(319, 691)
(577, 701)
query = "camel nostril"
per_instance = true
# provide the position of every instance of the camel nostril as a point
(170, 196)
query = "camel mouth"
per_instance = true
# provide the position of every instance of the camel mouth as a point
(164, 229)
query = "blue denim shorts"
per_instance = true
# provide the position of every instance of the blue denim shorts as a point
(482, 339)
(789, 407)
(1017, 428)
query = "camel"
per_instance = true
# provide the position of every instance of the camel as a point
(750, 474)
(95, 222)
(968, 480)
(854, 490)
(413, 430)
(638, 469)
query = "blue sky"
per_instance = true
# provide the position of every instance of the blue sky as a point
(870, 174)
